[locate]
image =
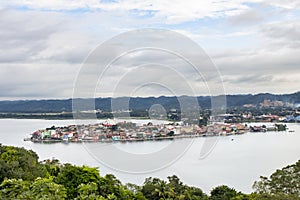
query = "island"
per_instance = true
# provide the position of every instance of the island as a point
(127, 131)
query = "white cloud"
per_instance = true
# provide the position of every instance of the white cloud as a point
(282, 34)
(290, 5)
(44, 42)
(36, 81)
(171, 11)
(249, 17)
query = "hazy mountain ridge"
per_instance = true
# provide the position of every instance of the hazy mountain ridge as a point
(141, 103)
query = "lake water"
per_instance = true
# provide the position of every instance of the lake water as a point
(236, 161)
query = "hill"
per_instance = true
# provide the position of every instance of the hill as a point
(139, 103)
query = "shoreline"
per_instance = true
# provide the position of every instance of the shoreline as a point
(121, 140)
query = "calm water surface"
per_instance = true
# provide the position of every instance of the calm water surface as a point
(236, 161)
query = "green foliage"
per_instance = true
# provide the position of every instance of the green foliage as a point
(223, 192)
(88, 191)
(41, 188)
(22, 177)
(52, 167)
(156, 189)
(109, 184)
(19, 163)
(71, 177)
(281, 127)
(45, 188)
(283, 181)
(136, 190)
(15, 189)
(264, 196)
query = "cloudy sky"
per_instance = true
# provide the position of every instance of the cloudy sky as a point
(254, 44)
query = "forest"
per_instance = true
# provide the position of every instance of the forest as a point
(22, 176)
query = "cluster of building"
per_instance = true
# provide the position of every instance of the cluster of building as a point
(248, 117)
(109, 131)
(267, 103)
(112, 131)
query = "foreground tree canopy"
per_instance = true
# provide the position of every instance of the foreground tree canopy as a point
(23, 177)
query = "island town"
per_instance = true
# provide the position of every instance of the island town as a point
(127, 131)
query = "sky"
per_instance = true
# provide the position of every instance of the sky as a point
(253, 44)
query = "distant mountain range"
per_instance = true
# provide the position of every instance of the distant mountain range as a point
(138, 103)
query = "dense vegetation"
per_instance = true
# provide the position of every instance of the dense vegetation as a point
(23, 177)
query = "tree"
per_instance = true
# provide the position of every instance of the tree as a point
(256, 196)
(45, 188)
(72, 176)
(109, 185)
(52, 167)
(193, 193)
(15, 189)
(175, 185)
(88, 192)
(156, 189)
(25, 178)
(283, 181)
(150, 189)
(19, 163)
(41, 188)
(223, 192)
